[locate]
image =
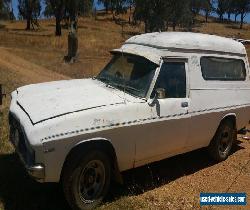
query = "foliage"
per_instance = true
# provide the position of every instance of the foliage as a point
(85, 7)
(29, 10)
(236, 7)
(158, 14)
(116, 6)
(66, 9)
(207, 7)
(221, 9)
(242, 7)
(6, 10)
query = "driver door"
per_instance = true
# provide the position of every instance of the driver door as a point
(167, 134)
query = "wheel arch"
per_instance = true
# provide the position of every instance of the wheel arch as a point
(230, 116)
(100, 144)
(213, 147)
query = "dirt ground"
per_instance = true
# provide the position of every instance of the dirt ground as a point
(174, 183)
(30, 71)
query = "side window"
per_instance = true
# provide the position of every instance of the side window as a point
(224, 69)
(172, 78)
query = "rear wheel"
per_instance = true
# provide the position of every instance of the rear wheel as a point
(86, 180)
(221, 145)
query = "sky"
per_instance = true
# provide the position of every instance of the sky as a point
(15, 8)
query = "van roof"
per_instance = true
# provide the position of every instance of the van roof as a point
(188, 41)
(154, 46)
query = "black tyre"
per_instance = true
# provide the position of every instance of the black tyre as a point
(86, 179)
(221, 145)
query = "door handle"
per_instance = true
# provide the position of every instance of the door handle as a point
(184, 104)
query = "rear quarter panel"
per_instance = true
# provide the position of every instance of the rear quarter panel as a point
(211, 101)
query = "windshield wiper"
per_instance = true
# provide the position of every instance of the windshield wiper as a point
(126, 87)
(103, 79)
(112, 84)
(106, 81)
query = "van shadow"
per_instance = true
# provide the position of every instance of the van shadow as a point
(146, 178)
(19, 191)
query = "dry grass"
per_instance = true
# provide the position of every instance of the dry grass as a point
(230, 30)
(96, 39)
(170, 184)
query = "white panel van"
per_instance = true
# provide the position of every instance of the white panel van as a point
(162, 94)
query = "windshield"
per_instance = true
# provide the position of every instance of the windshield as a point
(130, 73)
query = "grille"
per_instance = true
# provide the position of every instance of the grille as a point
(19, 140)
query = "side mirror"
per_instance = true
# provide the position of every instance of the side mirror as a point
(160, 93)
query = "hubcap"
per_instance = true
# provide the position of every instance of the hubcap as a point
(91, 181)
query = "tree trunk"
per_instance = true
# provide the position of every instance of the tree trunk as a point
(221, 18)
(58, 27)
(229, 16)
(206, 16)
(28, 23)
(235, 18)
(130, 12)
(174, 24)
(146, 26)
(241, 20)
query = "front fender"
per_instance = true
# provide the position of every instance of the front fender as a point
(57, 151)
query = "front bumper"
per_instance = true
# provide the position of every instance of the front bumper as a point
(37, 172)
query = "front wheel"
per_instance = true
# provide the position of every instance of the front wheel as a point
(221, 145)
(86, 180)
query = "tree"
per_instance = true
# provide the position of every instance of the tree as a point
(207, 7)
(230, 8)
(158, 14)
(56, 8)
(235, 10)
(85, 7)
(243, 7)
(131, 4)
(106, 4)
(195, 6)
(61, 9)
(48, 10)
(30, 11)
(221, 8)
(6, 10)
(152, 13)
(180, 12)
(118, 7)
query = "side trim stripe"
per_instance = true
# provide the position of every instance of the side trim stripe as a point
(136, 122)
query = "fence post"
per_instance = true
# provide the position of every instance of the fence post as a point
(72, 43)
(1, 95)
